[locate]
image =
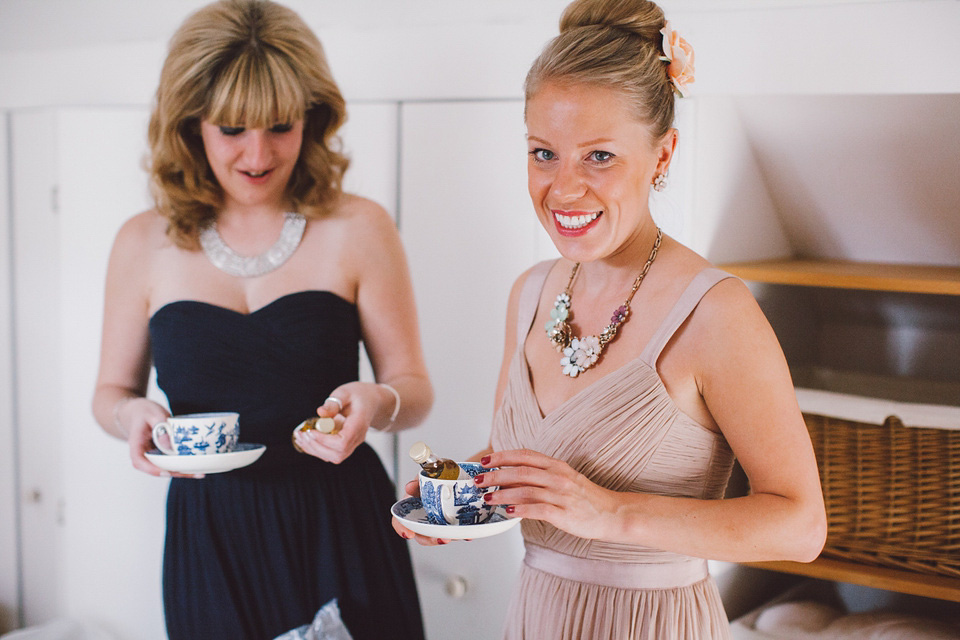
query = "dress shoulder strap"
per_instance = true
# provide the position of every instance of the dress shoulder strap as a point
(682, 308)
(530, 297)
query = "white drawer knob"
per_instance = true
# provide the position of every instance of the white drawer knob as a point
(456, 586)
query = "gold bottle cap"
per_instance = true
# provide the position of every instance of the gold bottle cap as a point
(420, 452)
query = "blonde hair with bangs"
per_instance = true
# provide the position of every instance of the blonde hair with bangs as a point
(248, 63)
(615, 44)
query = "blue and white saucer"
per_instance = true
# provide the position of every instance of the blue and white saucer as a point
(245, 454)
(410, 512)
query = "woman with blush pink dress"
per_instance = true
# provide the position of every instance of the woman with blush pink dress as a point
(634, 372)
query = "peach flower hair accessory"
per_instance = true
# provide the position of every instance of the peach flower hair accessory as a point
(679, 54)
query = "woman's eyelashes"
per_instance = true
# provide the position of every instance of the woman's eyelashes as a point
(235, 131)
(542, 155)
(598, 157)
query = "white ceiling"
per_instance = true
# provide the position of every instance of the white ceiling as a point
(56, 24)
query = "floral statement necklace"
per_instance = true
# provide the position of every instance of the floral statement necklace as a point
(228, 260)
(579, 354)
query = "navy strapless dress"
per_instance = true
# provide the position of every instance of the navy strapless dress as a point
(255, 552)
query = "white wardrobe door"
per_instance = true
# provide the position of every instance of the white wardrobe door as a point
(9, 565)
(36, 321)
(469, 230)
(370, 140)
(114, 515)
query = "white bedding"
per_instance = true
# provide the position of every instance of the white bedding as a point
(875, 411)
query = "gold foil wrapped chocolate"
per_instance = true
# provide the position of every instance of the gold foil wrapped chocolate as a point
(323, 425)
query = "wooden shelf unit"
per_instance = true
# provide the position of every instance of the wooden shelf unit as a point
(917, 279)
(918, 584)
(852, 275)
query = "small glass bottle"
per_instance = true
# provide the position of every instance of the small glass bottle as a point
(440, 468)
(323, 425)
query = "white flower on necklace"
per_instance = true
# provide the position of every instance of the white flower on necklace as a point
(569, 369)
(582, 354)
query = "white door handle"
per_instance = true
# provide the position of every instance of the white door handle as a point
(457, 586)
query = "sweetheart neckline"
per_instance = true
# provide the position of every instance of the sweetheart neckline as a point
(248, 314)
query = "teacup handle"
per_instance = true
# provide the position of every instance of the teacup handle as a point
(446, 498)
(158, 429)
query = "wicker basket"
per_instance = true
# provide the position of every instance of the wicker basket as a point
(892, 493)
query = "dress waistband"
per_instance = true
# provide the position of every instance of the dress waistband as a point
(620, 575)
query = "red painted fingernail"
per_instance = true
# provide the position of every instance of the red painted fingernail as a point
(441, 542)
(485, 460)
(487, 497)
(511, 509)
(404, 535)
(478, 478)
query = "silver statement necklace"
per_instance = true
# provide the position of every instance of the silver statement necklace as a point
(229, 261)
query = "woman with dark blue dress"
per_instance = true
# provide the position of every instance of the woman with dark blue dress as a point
(250, 287)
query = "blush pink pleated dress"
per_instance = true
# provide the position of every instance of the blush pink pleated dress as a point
(625, 433)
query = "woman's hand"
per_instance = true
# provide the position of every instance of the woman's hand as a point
(543, 488)
(359, 404)
(136, 418)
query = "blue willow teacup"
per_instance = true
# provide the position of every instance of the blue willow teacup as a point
(456, 502)
(198, 434)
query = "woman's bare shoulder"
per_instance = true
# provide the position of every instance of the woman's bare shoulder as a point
(729, 309)
(360, 220)
(147, 228)
(682, 265)
(356, 208)
(551, 269)
(139, 247)
(142, 234)
(727, 306)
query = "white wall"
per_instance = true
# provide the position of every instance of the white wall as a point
(742, 48)
(94, 147)
(381, 54)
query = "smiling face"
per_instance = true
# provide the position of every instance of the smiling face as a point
(591, 164)
(252, 166)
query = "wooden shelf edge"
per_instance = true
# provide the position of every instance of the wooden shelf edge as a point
(851, 275)
(939, 587)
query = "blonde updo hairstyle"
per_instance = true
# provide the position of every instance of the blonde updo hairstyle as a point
(246, 63)
(615, 44)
